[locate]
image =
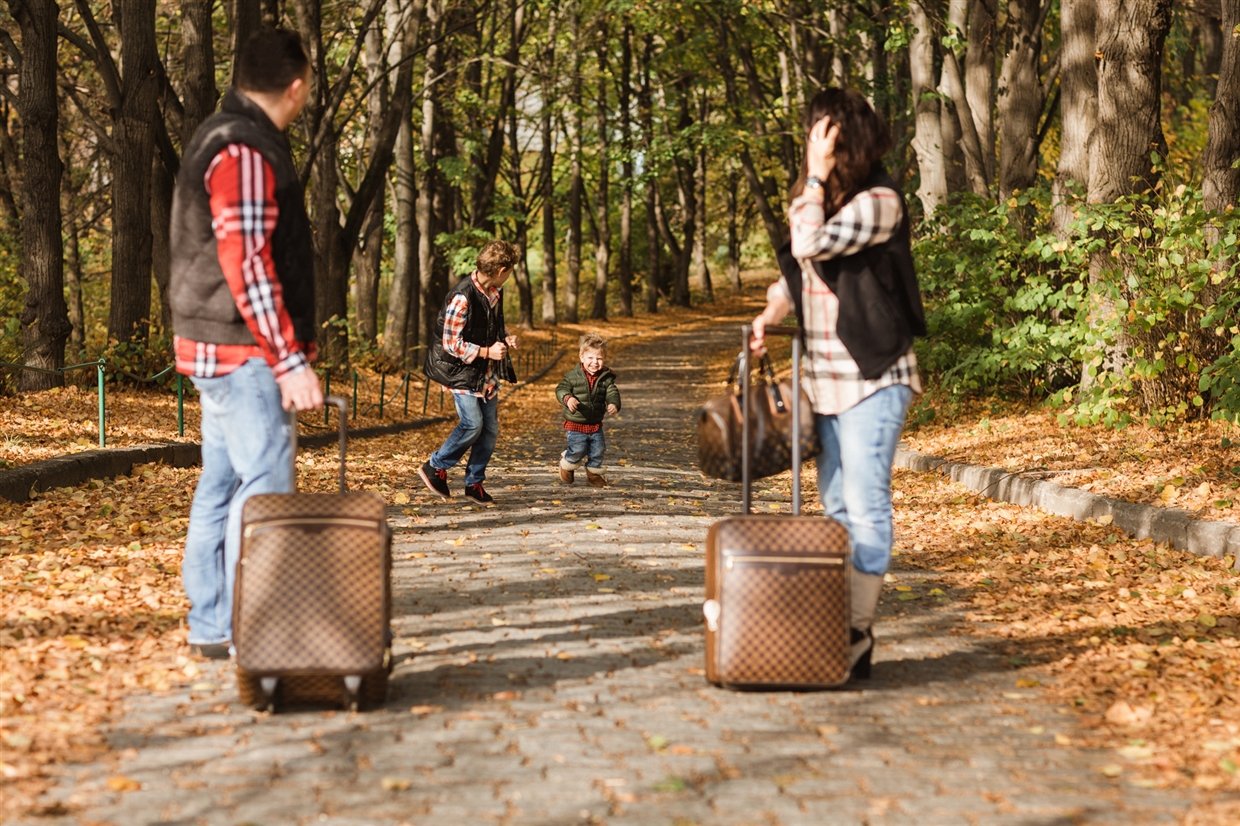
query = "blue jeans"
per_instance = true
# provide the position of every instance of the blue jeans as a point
(245, 450)
(589, 447)
(477, 432)
(854, 472)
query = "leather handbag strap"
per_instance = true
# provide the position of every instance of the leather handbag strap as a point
(746, 447)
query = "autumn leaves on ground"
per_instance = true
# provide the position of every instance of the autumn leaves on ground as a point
(1138, 639)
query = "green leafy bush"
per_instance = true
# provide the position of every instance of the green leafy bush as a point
(1152, 330)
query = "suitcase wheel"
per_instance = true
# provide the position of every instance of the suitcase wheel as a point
(352, 688)
(254, 690)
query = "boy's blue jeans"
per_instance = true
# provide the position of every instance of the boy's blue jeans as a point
(245, 450)
(854, 472)
(589, 447)
(477, 432)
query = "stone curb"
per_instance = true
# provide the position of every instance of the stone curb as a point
(1173, 525)
(17, 484)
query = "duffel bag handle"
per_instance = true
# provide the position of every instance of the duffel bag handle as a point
(746, 448)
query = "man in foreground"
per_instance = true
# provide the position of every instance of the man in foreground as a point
(242, 295)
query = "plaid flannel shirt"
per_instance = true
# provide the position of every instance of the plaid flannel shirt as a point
(242, 189)
(832, 379)
(454, 343)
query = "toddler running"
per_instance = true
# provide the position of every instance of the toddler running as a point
(588, 393)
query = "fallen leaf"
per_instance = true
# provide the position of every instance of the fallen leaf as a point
(600, 577)
(121, 783)
(504, 695)
(425, 709)
(395, 784)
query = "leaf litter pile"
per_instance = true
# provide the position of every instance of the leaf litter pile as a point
(1139, 639)
(92, 610)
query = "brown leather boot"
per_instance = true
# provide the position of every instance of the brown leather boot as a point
(595, 480)
(566, 475)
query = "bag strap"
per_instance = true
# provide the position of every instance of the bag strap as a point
(746, 446)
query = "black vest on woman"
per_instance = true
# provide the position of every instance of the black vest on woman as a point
(880, 302)
(484, 325)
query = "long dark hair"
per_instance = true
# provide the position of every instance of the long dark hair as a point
(862, 142)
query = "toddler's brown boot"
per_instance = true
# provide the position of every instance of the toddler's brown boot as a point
(566, 475)
(595, 480)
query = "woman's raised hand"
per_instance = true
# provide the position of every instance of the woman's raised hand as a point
(820, 148)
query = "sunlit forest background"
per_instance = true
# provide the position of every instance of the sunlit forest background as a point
(1070, 169)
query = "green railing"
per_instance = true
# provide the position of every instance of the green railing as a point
(101, 388)
(525, 361)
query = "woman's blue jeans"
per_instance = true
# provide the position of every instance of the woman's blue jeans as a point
(854, 472)
(245, 450)
(477, 432)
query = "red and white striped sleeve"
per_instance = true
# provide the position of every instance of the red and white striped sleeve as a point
(242, 189)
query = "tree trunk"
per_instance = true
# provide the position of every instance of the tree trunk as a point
(161, 245)
(1211, 46)
(979, 78)
(1130, 37)
(573, 280)
(1221, 180)
(686, 191)
(546, 173)
(134, 141)
(521, 272)
(927, 138)
(625, 268)
(734, 246)
(403, 297)
(975, 152)
(430, 184)
(645, 107)
(45, 318)
(547, 176)
(200, 93)
(1078, 107)
(368, 253)
(73, 276)
(247, 17)
(1020, 98)
(602, 195)
(699, 239)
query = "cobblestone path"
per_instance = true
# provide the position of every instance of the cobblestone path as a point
(549, 673)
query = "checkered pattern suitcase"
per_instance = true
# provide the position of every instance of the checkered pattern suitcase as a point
(776, 605)
(312, 601)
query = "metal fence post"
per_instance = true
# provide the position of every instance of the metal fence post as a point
(382, 393)
(327, 391)
(102, 402)
(180, 405)
(354, 395)
(407, 374)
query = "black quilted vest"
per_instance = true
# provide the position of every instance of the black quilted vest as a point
(203, 308)
(880, 302)
(484, 325)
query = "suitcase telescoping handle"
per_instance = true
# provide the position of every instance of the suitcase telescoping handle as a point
(342, 411)
(746, 385)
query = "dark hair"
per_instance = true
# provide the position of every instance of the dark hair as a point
(862, 142)
(495, 255)
(270, 61)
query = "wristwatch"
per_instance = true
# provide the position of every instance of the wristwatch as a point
(812, 182)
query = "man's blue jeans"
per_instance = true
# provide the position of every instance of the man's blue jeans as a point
(245, 450)
(585, 447)
(854, 472)
(477, 432)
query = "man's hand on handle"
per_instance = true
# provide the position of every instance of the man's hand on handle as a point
(301, 390)
(496, 351)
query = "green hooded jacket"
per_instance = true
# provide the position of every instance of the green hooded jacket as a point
(593, 402)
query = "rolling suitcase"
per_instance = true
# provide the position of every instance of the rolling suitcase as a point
(312, 603)
(777, 614)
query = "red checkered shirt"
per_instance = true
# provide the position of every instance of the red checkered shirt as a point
(242, 189)
(454, 319)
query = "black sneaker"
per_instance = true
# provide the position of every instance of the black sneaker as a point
(436, 480)
(210, 650)
(479, 495)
